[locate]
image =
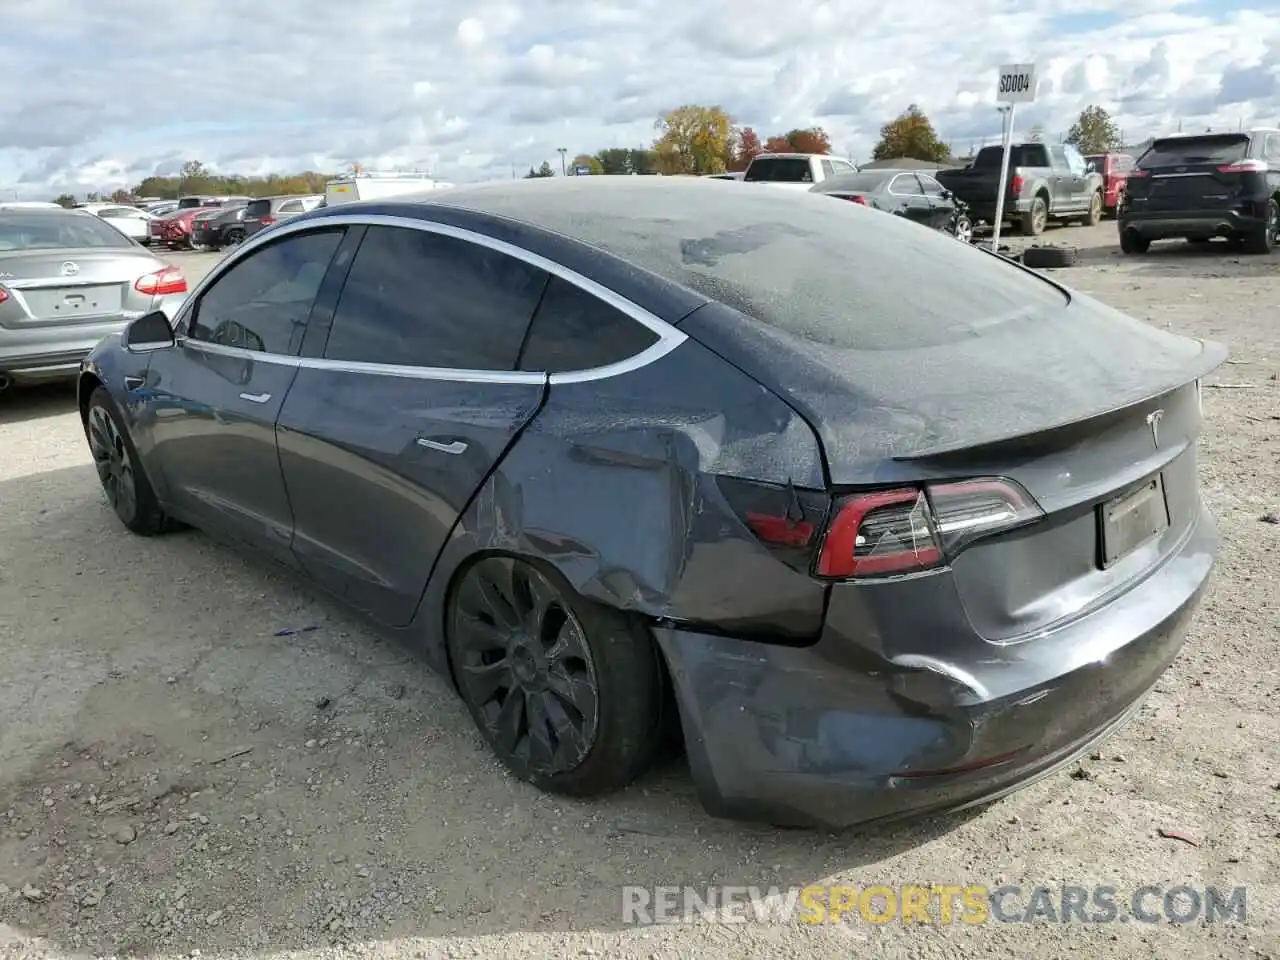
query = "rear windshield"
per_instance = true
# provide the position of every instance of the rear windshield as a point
(1020, 155)
(779, 170)
(832, 273)
(258, 208)
(51, 231)
(852, 183)
(1222, 148)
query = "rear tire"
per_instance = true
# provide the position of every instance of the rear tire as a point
(119, 469)
(1263, 240)
(567, 693)
(235, 238)
(1036, 219)
(1094, 216)
(1133, 242)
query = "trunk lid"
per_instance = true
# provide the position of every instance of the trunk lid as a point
(70, 286)
(1191, 173)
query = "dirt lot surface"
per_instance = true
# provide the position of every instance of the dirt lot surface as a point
(184, 773)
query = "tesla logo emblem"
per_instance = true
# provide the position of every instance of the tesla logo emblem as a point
(1153, 421)
(70, 269)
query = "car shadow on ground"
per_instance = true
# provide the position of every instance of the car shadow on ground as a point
(20, 404)
(197, 752)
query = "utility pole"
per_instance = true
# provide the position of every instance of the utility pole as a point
(562, 151)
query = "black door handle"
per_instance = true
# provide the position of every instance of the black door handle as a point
(133, 383)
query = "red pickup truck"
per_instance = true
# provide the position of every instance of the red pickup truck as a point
(1114, 168)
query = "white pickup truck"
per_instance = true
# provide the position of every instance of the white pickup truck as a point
(795, 171)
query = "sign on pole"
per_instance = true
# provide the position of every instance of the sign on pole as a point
(1016, 84)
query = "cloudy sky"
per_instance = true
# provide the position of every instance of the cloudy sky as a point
(100, 93)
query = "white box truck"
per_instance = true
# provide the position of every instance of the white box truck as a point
(377, 186)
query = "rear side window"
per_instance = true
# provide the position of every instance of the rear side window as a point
(415, 298)
(291, 206)
(1020, 155)
(262, 302)
(1224, 148)
(575, 330)
(779, 170)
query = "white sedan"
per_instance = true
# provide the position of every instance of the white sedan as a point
(130, 221)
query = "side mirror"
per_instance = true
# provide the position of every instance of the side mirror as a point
(151, 331)
(1090, 167)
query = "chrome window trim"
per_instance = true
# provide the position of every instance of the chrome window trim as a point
(668, 336)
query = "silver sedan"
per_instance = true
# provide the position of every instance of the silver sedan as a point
(67, 279)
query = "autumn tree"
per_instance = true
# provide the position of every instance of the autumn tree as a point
(593, 164)
(743, 148)
(812, 140)
(1094, 131)
(777, 144)
(910, 135)
(693, 139)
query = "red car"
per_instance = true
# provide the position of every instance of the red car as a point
(1114, 168)
(175, 229)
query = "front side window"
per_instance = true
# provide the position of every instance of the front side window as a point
(931, 187)
(262, 302)
(905, 185)
(575, 330)
(415, 298)
(1074, 160)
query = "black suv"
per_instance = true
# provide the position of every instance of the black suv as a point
(264, 211)
(1201, 186)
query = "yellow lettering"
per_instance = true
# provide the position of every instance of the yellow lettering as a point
(867, 904)
(915, 905)
(946, 897)
(841, 900)
(977, 905)
(813, 905)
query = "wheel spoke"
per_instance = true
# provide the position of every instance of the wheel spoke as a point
(568, 733)
(569, 643)
(574, 689)
(479, 635)
(510, 721)
(125, 486)
(493, 591)
(484, 680)
(542, 751)
(542, 598)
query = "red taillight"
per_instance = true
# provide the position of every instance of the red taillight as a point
(4, 295)
(908, 530)
(1244, 166)
(857, 198)
(1015, 186)
(266, 221)
(162, 283)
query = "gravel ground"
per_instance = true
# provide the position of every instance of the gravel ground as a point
(180, 776)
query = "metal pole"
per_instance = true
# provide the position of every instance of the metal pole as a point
(563, 151)
(1004, 180)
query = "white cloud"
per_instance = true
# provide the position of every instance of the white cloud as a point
(472, 88)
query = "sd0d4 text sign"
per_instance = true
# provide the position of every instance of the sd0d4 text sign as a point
(1017, 83)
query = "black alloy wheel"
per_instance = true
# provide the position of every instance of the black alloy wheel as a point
(235, 237)
(1264, 240)
(116, 460)
(567, 694)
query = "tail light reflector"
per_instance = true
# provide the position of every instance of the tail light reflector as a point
(4, 295)
(908, 530)
(1244, 166)
(1015, 187)
(162, 283)
(857, 198)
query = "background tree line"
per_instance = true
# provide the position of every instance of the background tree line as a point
(691, 139)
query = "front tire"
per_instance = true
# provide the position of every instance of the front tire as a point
(964, 229)
(567, 693)
(119, 470)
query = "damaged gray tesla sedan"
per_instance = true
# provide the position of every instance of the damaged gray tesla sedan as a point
(887, 524)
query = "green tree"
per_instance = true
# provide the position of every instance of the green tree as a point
(614, 161)
(542, 171)
(1094, 131)
(308, 182)
(910, 135)
(65, 200)
(693, 139)
(592, 164)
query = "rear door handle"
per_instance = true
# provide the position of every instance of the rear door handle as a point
(256, 397)
(456, 447)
